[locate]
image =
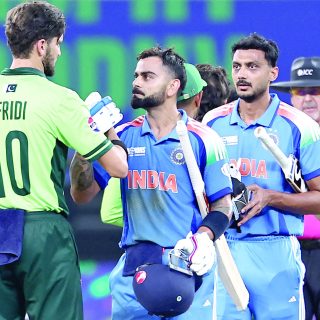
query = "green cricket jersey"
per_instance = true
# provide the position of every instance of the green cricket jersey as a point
(39, 120)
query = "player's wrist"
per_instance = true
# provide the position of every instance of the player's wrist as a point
(217, 222)
(204, 229)
(120, 144)
(111, 134)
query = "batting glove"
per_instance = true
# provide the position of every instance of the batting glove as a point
(240, 197)
(200, 250)
(103, 112)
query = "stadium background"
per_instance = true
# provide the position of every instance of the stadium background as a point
(99, 51)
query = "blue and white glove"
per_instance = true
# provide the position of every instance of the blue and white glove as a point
(200, 250)
(103, 112)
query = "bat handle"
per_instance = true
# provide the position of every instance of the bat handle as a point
(263, 136)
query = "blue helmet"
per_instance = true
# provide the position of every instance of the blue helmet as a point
(163, 291)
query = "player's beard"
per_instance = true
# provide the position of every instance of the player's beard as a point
(253, 96)
(48, 63)
(152, 101)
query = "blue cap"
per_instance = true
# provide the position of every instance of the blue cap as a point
(162, 291)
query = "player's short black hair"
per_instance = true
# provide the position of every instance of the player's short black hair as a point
(217, 90)
(170, 59)
(258, 42)
(32, 21)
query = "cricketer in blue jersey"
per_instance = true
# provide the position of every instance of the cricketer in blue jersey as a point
(266, 250)
(159, 204)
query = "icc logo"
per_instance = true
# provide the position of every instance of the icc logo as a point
(304, 72)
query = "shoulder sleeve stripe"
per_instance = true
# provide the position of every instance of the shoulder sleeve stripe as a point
(138, 122)
(219, 112)
(215, 148)
(309, 129)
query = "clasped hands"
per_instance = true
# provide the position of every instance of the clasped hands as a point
(104, 113)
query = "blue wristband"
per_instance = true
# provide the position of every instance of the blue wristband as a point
(217, 222)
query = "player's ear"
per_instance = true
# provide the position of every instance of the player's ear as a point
(173, 87)
(41, 47)
(198, 98)
(274, 73)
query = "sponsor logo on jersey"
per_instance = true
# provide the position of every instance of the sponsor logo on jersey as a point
(292, 299)
(207, 303)
(177, 156)
(230, 140)
(151, 179)
(11, 88)
(137, 151)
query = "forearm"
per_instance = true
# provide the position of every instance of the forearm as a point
(83, 185)
(300, 203)
(223, 205)
(112, 135)
(115, 161)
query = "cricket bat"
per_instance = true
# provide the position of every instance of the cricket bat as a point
(227, 269)
(289, 165)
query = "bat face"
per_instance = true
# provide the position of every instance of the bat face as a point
(294, 176)
(289, 165)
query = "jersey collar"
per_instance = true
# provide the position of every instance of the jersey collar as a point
(172, 135)
(264, 120)
(22, 71)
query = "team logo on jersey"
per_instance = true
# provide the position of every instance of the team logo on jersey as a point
(137, 151)
(11, 88)
(177, 156)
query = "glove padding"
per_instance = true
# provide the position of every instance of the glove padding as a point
(200, 251)
(103, 112)
(240, 197)
(240, 194)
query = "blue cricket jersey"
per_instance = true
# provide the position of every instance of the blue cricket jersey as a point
(294, 132)
(158, 201)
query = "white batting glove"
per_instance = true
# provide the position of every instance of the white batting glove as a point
(103, 112)
(200, 250)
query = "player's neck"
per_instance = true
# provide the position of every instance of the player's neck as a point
(26, 63)
(251, 111)
(163, 119)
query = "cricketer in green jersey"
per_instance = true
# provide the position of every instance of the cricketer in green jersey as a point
(39, 120)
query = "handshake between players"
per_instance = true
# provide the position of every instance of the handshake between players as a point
(103, 112)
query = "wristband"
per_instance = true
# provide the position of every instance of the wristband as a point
(217, 222)
(122, 145)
